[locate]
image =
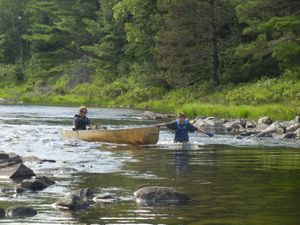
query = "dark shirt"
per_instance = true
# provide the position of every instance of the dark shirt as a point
(80, 123)
(181, 130)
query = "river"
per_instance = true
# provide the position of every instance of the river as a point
(230, 181)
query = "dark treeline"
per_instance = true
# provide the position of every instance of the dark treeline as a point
(166, 44)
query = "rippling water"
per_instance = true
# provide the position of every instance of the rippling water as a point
(230, 181)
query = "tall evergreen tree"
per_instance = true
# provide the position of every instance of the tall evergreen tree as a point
(109, 37)
(140, 24)
(13, 24)
(188, 43)
(271, 33)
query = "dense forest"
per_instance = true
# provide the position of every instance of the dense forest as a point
(192, 55)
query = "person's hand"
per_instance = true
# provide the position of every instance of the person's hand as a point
(210, 134)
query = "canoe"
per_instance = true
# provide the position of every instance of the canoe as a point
(134, 136)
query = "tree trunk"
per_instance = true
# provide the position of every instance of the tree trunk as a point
(215, 49)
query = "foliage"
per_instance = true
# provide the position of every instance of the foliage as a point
(162, 54)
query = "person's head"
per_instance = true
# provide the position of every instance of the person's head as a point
(82, 111)
(181, 117)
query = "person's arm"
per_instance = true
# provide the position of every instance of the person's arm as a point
(192, 128)
(170, 125)
(75, 122)
(88, 123)
(209, 133)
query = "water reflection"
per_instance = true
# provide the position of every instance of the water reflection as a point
(181, 162)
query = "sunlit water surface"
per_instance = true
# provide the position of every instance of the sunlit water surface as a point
(231, 181)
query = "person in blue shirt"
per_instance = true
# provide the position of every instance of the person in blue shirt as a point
(182, 126)
(81, 121)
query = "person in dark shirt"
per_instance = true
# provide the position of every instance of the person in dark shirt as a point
(182, 126)
(81, 121)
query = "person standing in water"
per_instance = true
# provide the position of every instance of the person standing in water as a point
(81, 121)
(182, 126)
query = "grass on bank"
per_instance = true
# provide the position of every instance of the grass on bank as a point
(277, 98)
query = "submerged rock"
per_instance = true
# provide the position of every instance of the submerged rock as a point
(35, 184)
(71, 202)
(2, 213)
(32, 159)
(3, 192)
(21, 211)
(84, 193)
(61, 171)
(160, 196)
(106, 198)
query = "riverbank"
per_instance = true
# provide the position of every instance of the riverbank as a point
(276, 98)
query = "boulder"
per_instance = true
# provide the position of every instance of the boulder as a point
(21, 211)
(275, 127)
(289, 136)
(71, 202)
(248, 133)
(297, 132)
(265, 120)
(250, 124)
(264, 134)
(233, 126)
(209, 123)
(4, 192)
(84, 193)
(11, 166)
(263, 123)
(148, 115)
(2, 213)
(296, 120)
(35, 184)
(154, 195)
(293, 127)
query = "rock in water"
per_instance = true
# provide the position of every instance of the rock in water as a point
(71, 202)
(84, 193)
(21, 211)
(11, 166)
(2, 213)
(160, 196)
(106, 198)
(35, 184)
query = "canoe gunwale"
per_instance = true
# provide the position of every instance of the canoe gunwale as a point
(132, 135)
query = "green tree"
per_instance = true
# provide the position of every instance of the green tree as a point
(13, 24)
(271, 34)
(57, 33)
(109, 37)
(140, 25)
(192, 38)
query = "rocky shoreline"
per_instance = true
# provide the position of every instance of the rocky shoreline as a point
(263, 127)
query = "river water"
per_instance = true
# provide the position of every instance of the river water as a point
(230, 181)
